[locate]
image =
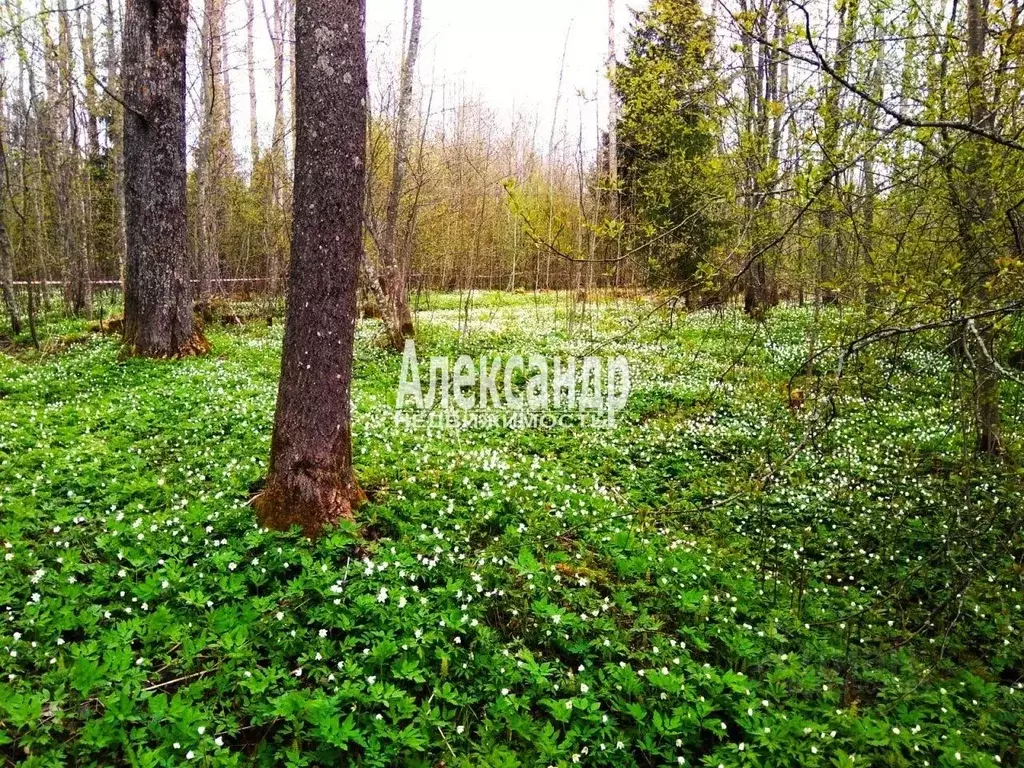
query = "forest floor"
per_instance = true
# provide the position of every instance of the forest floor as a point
(734, 575)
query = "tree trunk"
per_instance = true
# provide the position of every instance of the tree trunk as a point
(6, 254)
(158, 296)
(613, 117)
(6, 261)
(871, 277)
(979, 248)
(311, 483)
(276, 30)
(761, 144)
(225, 65)
(35, 121)
(397, 314)
(829, 265)
(84, 176)
(213, 159)
(250, 61)
(62, 156)
(86, 38)
(274, 217)
(115, 129)
(7, 277)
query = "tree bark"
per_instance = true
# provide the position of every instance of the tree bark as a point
(830, 259)
(213, 157)
(6, 253)
(250, 61)
(761, 145)
(6, 256)
(62, 158)
(274, 216)
(276, 30)
(159, 320)
(86, 38)
(311, 483)
(978, 246)
(35, 134)
(225, 66)
(115, 130)
(613, 116)
(871, 278)
(398, 316)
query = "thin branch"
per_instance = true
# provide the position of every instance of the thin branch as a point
(902, 119)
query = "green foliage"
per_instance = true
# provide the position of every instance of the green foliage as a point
(668, 132)
(622, 598)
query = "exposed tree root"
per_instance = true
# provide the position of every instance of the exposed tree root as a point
(311, 499)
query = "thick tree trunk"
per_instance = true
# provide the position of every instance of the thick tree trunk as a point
(311, 483)
(159, 320)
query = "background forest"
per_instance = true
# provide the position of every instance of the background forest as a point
(799, 544)
(860, 153)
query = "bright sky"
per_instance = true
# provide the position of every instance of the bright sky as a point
(506, 52)
(509, 52)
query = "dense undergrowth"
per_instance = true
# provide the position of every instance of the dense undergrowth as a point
(732, 576)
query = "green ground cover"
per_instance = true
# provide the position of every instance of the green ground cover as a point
(702, 585)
